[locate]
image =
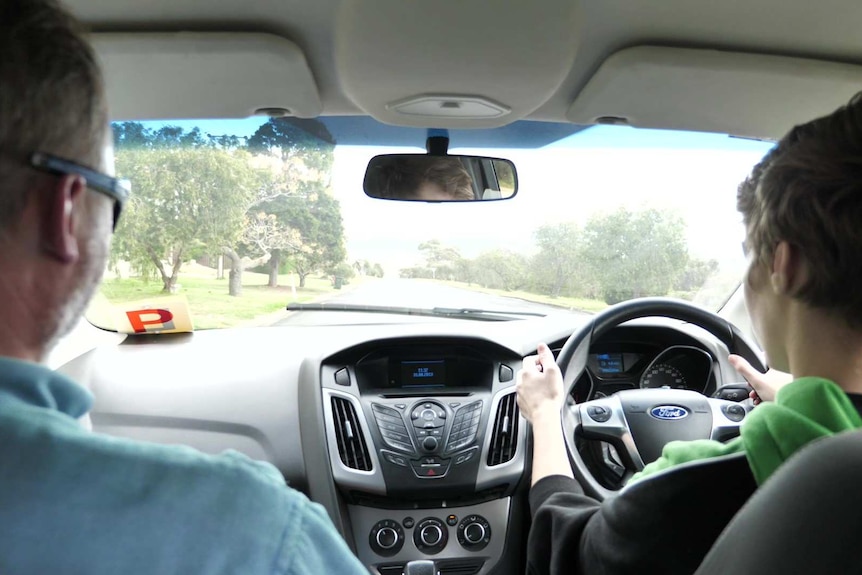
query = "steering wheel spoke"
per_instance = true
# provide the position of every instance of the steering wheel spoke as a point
(605, 420)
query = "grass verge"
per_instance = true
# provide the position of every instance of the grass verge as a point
(211, 306)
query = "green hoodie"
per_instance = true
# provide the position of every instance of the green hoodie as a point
(805, 409)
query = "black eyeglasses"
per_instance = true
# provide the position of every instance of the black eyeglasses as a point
(115, 188)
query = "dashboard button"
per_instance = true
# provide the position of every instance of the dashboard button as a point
(342, 377)
(430, 467)
(394, 458)
(452, 520)
(430, 443)
(506, 373)
(454, 404)
(466, 456)
(409, 522)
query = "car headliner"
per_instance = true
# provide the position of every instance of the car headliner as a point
(757, 66)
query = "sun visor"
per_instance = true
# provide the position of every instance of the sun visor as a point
(713, 91)
(204, 75)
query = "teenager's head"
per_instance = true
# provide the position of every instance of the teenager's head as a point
(420, 177)
(802, 209)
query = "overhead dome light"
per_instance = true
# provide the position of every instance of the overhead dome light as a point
(439, 106)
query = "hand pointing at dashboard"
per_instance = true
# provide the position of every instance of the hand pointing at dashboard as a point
(540, 397)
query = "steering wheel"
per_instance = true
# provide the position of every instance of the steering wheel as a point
(639, 422)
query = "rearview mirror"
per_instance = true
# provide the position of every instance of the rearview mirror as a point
(431, 178)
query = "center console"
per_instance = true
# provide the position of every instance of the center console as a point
(426, 447)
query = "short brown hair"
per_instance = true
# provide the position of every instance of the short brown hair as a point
(51, 93)
(400, 176)
(807, 191)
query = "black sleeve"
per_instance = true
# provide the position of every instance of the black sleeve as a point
(662, 524)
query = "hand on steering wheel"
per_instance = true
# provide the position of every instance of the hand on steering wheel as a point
(765, 385)
(636, 422)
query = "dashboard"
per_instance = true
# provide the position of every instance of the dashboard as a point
(644, 357)
(408, 434)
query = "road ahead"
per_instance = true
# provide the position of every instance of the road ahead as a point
(420, 294)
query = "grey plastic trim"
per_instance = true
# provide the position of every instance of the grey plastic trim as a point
(346, 477)
(496, 512)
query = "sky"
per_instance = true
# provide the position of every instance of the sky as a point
(593, 171)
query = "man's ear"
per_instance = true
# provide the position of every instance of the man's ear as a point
(62, 217)
(789, 272)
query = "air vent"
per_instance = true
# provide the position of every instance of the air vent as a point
(348, 432)
(460, 566)
(444, 567)
(504, 438)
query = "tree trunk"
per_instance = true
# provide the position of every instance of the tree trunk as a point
(166, 279)
(237, 265)
(274, 263)
(175, 271)
(235, 281)
(235, 273)
(302, 276)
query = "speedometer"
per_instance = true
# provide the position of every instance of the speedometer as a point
(663, 375)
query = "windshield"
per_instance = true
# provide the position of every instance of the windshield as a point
(240, 218)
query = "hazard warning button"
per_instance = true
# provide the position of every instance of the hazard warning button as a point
(430, 467)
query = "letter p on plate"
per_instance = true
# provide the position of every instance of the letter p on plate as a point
(144, 320)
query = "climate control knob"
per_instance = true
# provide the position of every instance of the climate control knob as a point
(386, 537)
(430, 535)
(474, 532)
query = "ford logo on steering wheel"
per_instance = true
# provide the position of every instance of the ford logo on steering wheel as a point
(668, 412)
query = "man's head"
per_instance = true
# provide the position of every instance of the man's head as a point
(421, 177)
(54, 232)
(802, 209)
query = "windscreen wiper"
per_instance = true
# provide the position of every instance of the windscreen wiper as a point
(462, 313)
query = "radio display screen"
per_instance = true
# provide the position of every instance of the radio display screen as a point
(428, 373)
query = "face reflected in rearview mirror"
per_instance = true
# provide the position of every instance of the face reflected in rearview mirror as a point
(429, 178)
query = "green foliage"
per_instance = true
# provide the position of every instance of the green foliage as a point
(634, 254)
(500, 269)
(186, 201)
(202, 194)
(555, 268)
(615, 257)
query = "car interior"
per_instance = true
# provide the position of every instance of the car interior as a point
(403, 423)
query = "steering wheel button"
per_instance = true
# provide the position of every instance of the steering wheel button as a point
(598, 413)
(734, 412)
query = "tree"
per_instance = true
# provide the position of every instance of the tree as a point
(441, 260)
(501, 269)
(187, 200)
(555, 268)
(263, 234)
(634, 254)
(299, 197)
(695, 274)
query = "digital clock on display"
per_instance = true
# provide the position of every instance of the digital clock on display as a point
(423, 373)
